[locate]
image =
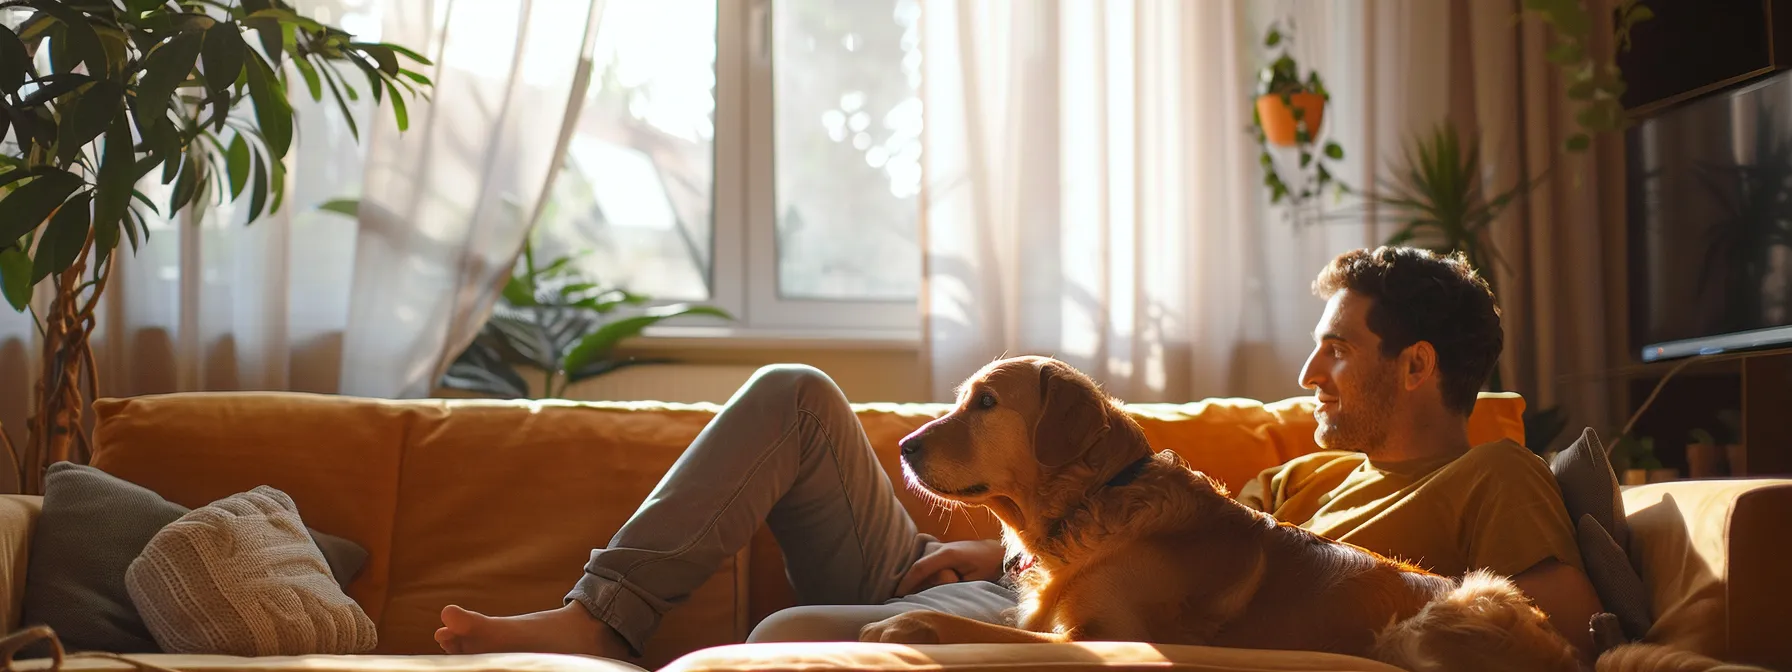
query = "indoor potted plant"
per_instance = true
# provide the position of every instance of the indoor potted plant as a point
(101, 96)
(1634, 459)
(1288, 114)
(556, 322)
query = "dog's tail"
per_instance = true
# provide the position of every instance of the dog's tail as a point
(1484, 623)
(1657, 658)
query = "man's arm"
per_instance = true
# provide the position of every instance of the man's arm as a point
(1565, 594)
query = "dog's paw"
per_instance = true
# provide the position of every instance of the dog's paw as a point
(915, 627)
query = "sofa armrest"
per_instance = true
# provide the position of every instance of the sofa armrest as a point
(18, 517)
(1710, 552)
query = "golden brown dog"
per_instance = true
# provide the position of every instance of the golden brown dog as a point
(1123, 544)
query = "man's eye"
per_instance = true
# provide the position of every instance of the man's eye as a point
(986, 401)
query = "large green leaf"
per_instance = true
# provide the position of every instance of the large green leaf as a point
(81, 40)
(63, 238)
(258, 187)
(272, 38)
(480, 368)
(343, 206)
(163, 71)
(186, 184)
(398, 108)
(222, 57)
(237, 163)
(407, 53)
(15, 276)
(27, 206)
(116, 182)
(91, 111)
(273, 115)
(15, 63)
(382, 54)
(601, 342)
(312, 84)
(54, 86)
(348, 116)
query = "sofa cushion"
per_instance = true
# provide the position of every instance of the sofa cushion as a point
(92, 526)
(1621, 590)
(488, 662)
(240, 576)
(336, 457)
(1102, 656)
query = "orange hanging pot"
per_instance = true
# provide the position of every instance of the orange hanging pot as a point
(1277, 117)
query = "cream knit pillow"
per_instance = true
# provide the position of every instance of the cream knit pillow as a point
(242, 577)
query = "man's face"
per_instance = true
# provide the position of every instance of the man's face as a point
(1356, 386)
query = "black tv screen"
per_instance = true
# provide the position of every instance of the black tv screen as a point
(1710, 221)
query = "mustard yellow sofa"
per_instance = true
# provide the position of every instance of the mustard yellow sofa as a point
(494, 505)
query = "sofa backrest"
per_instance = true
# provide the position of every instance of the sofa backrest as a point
(495, 505)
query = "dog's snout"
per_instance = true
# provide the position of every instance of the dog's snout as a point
(911, 445)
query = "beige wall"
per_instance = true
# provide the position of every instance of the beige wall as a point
(713, 372)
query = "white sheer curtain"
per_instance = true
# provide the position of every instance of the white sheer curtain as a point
(315, 301)
(1093, 192)
(449, 202)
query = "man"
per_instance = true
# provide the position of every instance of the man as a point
(1406, 339)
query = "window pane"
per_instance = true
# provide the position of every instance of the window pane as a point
(635, 189)
(848, 148)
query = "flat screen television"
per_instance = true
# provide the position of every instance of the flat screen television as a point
(1709, 189)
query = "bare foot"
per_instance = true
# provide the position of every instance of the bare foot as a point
(569, 629)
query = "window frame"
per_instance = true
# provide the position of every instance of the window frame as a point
(744, 268)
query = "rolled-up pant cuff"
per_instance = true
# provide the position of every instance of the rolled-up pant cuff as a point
(626, 609)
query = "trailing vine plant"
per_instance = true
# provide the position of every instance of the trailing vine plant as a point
(1282, 90)
(1594, 83)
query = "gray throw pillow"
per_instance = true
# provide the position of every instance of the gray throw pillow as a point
(1620, 590)
(92, 526)
(1590, 487)
(1590, 493)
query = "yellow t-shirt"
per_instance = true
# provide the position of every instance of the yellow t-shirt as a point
(1496, 507)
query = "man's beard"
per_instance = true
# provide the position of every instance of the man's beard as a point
(1360, 421)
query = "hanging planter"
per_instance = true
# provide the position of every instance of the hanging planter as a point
(1288, 116)
(1284, 116)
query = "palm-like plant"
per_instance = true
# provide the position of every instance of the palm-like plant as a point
(97, 96)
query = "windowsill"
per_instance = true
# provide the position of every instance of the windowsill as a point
(738, 338)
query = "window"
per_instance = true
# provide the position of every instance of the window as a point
(762, 156)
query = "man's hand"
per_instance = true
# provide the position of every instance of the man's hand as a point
(952, 562)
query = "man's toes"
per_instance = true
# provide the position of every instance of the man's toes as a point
(459, 621)
(447, 640)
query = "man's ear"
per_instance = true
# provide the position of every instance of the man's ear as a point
(1419, 365)
(1072, 416)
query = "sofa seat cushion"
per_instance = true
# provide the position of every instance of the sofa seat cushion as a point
(1104, 656)
(493, 662)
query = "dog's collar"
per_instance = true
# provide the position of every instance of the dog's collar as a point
(1018, 564)
(1129, 473)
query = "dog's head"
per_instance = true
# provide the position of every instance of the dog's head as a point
(1027, 435)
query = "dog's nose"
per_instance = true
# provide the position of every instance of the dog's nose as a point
(911, 445)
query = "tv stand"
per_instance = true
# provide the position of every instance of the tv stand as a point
(1767, 413)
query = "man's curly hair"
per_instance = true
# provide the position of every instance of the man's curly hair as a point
(1422, 296)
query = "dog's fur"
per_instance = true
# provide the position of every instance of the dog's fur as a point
(1164, 555)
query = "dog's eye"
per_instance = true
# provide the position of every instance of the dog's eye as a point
(986, 401)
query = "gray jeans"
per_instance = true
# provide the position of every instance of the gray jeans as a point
(788, 451)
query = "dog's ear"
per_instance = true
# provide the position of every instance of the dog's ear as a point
(1073, 416)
